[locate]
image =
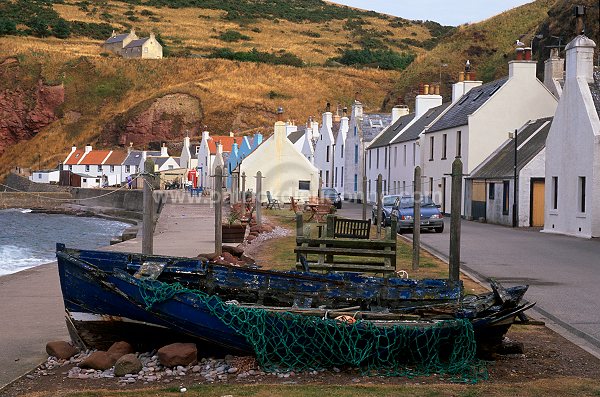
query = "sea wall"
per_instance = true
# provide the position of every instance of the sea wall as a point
(48, 200)
(129, 200)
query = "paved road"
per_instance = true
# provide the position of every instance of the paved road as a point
(563, 272)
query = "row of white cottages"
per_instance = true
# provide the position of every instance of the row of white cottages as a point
(557, 132)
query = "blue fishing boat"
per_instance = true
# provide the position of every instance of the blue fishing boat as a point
(151, 300)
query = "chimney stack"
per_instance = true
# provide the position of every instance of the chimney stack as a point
(231, 134)
(88, 148)
(399, 110)
(163, 150)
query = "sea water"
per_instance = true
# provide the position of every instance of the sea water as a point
(29, 239)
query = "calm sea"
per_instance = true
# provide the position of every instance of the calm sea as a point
(28, 239)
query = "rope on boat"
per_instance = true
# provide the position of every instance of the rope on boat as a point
(284, 341)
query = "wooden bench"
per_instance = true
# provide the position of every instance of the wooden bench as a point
(351, 228)
(331, 253)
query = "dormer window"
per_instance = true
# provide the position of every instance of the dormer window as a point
(87, 168)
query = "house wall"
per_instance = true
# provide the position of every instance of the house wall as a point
(353, 165)
(576, 121)
(339, 155)
(324, 150)
(535, 169)
(402, 174)
(45, 177)
(152, 49)
(285, 167)
(437, 167)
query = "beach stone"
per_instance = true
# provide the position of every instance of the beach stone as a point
(61, 349)
(227, 257)
(211, 257)
(178, 354)
(128, 364)
(250, 237)
(255, 229)
(98, 360)
(237, 251)
(119, 349)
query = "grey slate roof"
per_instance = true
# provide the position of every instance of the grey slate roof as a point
(373, 123)
(135, 157)
(413, 132)
(136, 43)
(389, 134)
(116, 39)
(296, 135)
(458, 113)
(500, 165)
(159, 161)
(595, 90)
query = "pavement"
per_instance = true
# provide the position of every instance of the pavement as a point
(32, 309)
(563, 272)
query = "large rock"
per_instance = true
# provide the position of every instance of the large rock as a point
(227, 257)
(237, 251)
(178, 354)
(98, 360)
(119, 349)
(61, 349)
(128, 364)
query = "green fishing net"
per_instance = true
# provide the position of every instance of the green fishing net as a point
(284, 341)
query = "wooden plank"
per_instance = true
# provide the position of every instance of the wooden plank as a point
(347, 243)
(344, 251)
(349, 267)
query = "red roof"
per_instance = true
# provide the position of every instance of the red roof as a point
(226, 141)
(75, 157)
(95, 157)
(116, 158)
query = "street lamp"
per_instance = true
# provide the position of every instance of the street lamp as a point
(513, 135)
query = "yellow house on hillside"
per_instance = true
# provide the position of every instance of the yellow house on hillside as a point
(129, 45)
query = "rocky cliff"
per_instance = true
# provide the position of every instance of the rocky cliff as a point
(25, 111)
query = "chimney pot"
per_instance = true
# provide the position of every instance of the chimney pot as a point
(527, 53)
(520, 53)
(426, 89)
(328, 107)
(437, 89)
(421, 89)
(461, 76)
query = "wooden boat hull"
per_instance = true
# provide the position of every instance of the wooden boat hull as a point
(104, 303)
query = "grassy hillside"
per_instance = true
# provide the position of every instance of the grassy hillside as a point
(489, 45)
(313, 30)
(234, 96)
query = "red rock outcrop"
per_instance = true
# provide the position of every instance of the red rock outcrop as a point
(23, 113)
(161, 119)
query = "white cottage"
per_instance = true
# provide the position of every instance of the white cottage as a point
(495, 176)
(338, 152)
(573, 148)
(324, 149)
(286, 172)
(478, 122)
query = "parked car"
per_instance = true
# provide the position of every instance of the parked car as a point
(332, 195)
(386, 211)
(431, 217)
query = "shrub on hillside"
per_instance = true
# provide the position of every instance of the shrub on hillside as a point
(384, 59)
(282, 58)
(232, 36)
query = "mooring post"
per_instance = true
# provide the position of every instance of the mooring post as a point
(364, 198)
(148, 218)
(218, 203)
(258, 198)
(455, 206)
(416, 218)
(379, 204)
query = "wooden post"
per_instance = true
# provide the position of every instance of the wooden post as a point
(455, 204)
(244, 187)
(416, 218)
(258, 198)
(218, 203)
(379, 204)
(148, 219)
(364, 198)
(299, 225)
(234, 187)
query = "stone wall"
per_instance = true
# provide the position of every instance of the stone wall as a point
(22, 184)
(129, 200)
(31, 200)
